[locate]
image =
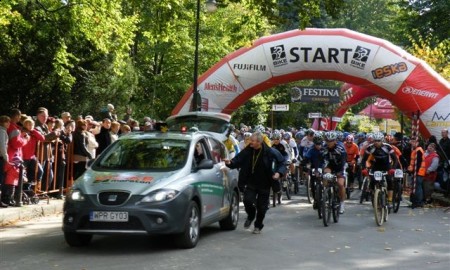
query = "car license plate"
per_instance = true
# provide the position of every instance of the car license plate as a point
(108, 216)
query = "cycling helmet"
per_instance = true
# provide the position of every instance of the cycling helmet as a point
(299, 135)
(330, 136)
(378, 136)
(350, 138)
(287, 135)
(317, 139)
(260, 128)
(339, 135)
(276, 135)
(309, 132)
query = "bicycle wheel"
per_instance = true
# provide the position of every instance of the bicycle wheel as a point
(309, 186)
(326, 206)
(318, 200)
(398, 190)
(287, 188)
(335, 206)
(378, 207)
(364, 192)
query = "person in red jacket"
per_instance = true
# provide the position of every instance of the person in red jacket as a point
(16, 140)
(431, 165)
(32, 166)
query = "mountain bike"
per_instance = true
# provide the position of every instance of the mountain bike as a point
(286, 185)
(366, 192)
(380, 206)
(330, 199)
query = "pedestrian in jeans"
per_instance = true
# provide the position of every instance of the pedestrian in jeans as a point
(261, 165)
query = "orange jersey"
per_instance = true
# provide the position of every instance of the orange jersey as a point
(398, 153)
(352, 151)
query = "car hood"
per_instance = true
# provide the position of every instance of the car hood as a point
(138, 183)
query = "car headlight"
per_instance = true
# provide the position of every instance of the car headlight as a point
(160, 195)
(76, 195)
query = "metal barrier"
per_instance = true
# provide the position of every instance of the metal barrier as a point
(53, 181)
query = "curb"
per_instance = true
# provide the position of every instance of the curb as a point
(10, 215)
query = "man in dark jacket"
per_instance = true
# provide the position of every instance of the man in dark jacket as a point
(104, 137)
(261, 165)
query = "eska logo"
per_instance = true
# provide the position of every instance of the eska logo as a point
(389, 70)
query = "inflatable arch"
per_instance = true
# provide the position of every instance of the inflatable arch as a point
(331, 54)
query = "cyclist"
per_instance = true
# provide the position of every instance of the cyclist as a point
(314, 157)
(335, 158)
(352, 150)
(383, 158)
(277, 144)
(307, 141)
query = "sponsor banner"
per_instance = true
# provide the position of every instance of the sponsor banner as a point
(420, 91)
(437, 117)
(250, 68)
(324, 53)
(315, 94)
(389, 70)
(217, 90)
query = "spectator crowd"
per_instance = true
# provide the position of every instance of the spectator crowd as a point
(52, 150)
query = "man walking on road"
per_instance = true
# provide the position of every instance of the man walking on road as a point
(260, 165)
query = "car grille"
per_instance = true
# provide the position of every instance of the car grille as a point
(133, 224)
(113, 197)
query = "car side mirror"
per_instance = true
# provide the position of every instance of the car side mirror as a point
(205, 164)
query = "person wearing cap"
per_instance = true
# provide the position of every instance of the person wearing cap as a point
(65, 116)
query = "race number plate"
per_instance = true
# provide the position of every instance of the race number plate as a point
(108, 216)
(378, 175)
(398, 173)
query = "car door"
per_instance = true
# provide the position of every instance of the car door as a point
(207, 181)
(218, 152)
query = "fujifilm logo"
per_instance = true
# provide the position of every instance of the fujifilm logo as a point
(417, 92)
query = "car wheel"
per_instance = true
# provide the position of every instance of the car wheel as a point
(77, 239)
(189, 238)
(230, 222)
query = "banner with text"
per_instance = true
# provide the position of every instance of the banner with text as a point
(315, 94)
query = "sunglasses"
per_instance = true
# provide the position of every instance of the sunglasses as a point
(377, 140)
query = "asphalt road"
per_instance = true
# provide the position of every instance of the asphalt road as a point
(293, 238)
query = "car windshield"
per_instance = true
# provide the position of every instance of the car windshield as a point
(145, 154)
(202, 123)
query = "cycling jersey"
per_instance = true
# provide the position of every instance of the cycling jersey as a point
(335, 158)
(382, 157)
(314, 156)
(305, 144)
(352, 151)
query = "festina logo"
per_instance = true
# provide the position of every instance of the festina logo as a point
(313, 55)
(221, 87)
(321, 92)
(249, 67)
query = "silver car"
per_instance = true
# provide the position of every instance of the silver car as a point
(154, 183)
